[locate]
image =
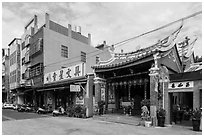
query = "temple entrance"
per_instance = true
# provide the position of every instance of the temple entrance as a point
(129, 95)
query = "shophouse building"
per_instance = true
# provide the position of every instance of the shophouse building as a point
(58, 60)
(185, 89)
(24, 91)
(5, 76)
(14, 68)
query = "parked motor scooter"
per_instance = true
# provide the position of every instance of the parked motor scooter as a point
(28, 109)
(41, 111)
(22, 108)
(59, 111)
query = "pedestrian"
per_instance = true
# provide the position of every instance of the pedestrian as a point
(100, 105)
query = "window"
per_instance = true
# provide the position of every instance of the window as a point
(27, 59)
(83, 56)
(13, 58)
(23, 76)
(36, 70)
(23, 61)
(36, 46)
(64, 51)
(13, 76)
(23, 45)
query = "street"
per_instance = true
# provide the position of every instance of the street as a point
(34, 124)
(9, 114)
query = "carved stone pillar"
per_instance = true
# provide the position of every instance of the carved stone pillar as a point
(154, 81)
(99, 84)
(164, 82)
(154, 77)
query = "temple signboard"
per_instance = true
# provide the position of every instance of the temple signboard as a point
(179, 85)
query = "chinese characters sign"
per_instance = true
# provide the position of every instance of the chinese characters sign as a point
(177, 85)
(75, 88)
(65, 73)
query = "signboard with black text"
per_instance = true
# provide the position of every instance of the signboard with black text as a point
(65, 73)
(75, 88)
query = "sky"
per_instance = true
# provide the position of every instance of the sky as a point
(112, 22)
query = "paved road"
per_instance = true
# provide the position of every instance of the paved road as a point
(9, 114)
(33, 124)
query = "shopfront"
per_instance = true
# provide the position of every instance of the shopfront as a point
(185, 91)
(67, 87)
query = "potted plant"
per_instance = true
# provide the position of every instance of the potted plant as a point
(161, 114)
(196, 116)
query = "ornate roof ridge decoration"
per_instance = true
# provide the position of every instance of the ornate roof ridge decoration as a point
(119, 59)
(194, 67)
(106, 62)
(168, 42)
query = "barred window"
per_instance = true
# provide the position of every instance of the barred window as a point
(36, 70)
(13, 58)
(83, 56)
(64, 51)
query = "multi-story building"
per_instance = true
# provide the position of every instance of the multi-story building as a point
(59, 65)
(5, 75)
(29, 30)
(14, 68)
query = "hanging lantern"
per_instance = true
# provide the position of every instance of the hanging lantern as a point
(140, 82)
(130, 82)
(135, 82)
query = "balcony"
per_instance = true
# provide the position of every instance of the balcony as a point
(27, 41)
(27, 57)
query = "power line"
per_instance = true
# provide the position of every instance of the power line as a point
(130, 39)
(182, 19)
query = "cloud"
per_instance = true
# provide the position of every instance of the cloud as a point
(113, 22)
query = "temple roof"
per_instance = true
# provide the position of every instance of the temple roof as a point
(194, 67)
(120, 59)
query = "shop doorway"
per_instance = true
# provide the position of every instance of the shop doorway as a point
(181, 106)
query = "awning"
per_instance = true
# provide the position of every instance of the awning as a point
(57, 88)
(62, 85)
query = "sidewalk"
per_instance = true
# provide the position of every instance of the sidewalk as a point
(118, 118)
(135, 120)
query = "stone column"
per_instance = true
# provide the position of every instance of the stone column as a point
(89, 96)
(164, 82)
(154, 75)
(98, 83)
